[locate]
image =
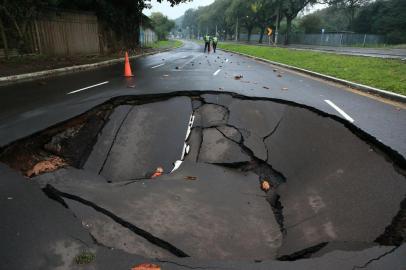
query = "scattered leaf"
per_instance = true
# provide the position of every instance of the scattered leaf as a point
(265, 87)
(279, 75)
(146, 266)
(192, 178)
(238, 77)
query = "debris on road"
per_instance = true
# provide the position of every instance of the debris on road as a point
(44, 166)
(131, 86)
(166, 75)
(265, 186)
(191, 178)
(265, 87)
(176, 67)
(158, 172)
(146, 266)
(279, 75)
(238, 77)
(275, 70)
(285, 89)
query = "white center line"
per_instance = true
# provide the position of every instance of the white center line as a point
(217, 72)
(88, 87)
(157, 66)
(343, 113)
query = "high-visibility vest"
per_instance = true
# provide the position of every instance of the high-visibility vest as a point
(206, 38)
(215, 39)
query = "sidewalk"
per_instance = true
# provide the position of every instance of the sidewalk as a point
(34, 63)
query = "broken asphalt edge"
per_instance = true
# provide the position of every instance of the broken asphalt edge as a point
(357, 86)
(7, 80)
(394, 156)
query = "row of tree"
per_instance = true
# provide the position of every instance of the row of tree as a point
(122, 16)
(229, 17)
(383, 17)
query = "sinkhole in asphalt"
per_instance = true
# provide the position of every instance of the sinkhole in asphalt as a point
(329, 181)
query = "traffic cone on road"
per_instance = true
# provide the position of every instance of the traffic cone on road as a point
(127, 67)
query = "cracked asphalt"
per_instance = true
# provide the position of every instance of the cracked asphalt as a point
(207, 211)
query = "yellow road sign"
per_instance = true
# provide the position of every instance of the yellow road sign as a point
(269, 31)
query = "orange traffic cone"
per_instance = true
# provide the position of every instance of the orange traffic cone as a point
(127, 67)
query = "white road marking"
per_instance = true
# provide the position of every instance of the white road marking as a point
(226, 60)
(343, 113)
(157, 66)
(217, 72)
(186, 147)
(188, 62)
(88, 87)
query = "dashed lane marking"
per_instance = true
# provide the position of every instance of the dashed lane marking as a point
(340, 111)
(157, 66)
(88, 87)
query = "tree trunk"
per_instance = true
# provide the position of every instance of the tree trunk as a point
(4, 39)
(249, 33)
(261, 37)
(288, 30)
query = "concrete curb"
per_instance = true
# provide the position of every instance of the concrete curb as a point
(7, 80)
(361, 87)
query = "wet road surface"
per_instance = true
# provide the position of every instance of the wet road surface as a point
(327, 176)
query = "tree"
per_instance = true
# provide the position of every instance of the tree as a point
(20, 13)
(161, 24)
(385, 18)
(290, 8)
(245, 12)
(122, 16)
(311, 23)
(350, 6)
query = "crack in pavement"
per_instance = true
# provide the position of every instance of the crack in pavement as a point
(375, 259)
(269, 135)
(49, 189)
(114, 139)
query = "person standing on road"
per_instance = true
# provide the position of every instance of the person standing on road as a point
(215, 41)
(206, 43)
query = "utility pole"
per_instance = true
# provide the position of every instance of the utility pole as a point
(277, 27)
(216, 30)
(236, 31)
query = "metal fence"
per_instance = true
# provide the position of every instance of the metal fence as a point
(327, 39)
(337, 39)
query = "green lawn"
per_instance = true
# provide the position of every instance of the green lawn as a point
(165, 44)
(387, 74)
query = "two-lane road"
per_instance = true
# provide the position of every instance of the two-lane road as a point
(29, 107)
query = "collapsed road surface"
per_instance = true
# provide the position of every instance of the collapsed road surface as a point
(337, 195)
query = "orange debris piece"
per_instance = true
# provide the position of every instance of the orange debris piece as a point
(158, 172)
(146, 266)
(265, 186)
(44, 166)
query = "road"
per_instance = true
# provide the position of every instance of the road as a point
(29, 107)
(321, 148)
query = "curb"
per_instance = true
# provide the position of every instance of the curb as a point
(361, 87)
(7, 80)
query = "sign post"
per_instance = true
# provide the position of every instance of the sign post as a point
(269, 29)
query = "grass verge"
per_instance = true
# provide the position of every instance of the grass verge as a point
(166, 44)
(387, 74)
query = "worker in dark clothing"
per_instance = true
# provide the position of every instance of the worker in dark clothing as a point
(206, 39)
(215, 41)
